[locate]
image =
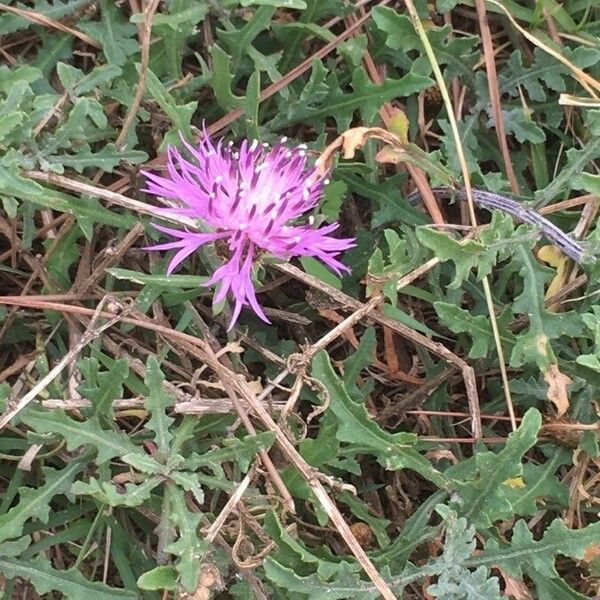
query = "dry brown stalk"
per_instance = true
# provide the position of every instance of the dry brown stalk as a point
(145, 31)
(40, 19)
(438, 349)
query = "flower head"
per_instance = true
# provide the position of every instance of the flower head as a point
(250, 199)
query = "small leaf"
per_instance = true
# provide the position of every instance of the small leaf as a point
(71, 582)
(157, 402)
(465, 256)
(393, 451)
(81, 433)
(35, 502)
(159, 578)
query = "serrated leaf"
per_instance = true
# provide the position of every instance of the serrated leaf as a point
(190, 548)
(365, 95)
(102, 387)
(163, 281)
(108, 444)
(243, 451)
(465, 256)
(157, 403)
(35, 502)
(40, 573)
(458, 54)
(114, 32)
(347, 584)
(482, 498)
(533, 346)
(523, 553)
(107, 493)
(393, 451)
(106, 159)
(180, 115)
(540, 484)
(477, 327)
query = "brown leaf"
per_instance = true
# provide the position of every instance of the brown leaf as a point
(557, 388)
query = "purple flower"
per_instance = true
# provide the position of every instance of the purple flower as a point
(250, 200)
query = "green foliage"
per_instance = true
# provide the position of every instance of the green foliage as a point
(480, 481)
(129, 480)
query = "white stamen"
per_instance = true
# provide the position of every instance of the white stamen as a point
(236, 155)
(218, 179)
(302, 153)
(230, 143)
(302, 146)
(284, 139)
(242, 185)
(311, 220)
(297, 239)
(265, 144)
(326, 182)
(253, 145)
(306, 194)
(243, 226)
(260, 167)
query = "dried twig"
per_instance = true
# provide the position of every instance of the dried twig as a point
(91, 333)
(40, 19)
(145, 32)
(438, 349)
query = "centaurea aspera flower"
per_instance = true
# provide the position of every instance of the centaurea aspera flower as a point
(251, 199)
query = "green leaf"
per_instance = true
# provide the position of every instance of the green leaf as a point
(465, 256)
(294, 4)
(157, 403)
(159, 578)
(35, 502)
(347, 584)
(523, 554)
(570, 174)
(477, 327)
(106, 159)
(533, 346)
(190, 548)
(456, 53)
(102, 387)
(163, 281)
(540, 483)
(117, 36)
(71, 582)
(108, 444)
(481, 498)
(107, 493)
(243, 451)
(393, 451)
(180, 115)
(365, 95)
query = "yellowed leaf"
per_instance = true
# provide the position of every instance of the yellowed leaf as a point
(557, 388)
(552, 256)
(515, 482)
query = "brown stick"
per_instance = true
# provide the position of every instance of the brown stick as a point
(145, 32)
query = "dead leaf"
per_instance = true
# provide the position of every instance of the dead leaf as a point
(515, 482)
(352, 140)
(557, 388)
(553, 256)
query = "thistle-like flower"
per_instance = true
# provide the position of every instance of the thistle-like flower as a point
(251, 200)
